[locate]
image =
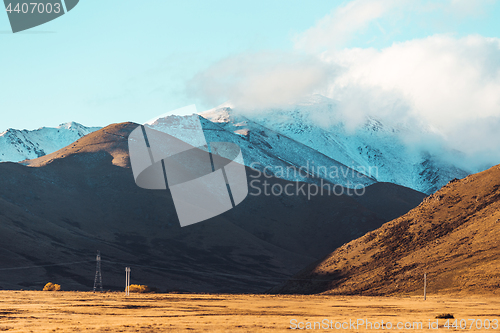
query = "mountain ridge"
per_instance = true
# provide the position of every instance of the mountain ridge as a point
(288, 137)
(66, 205)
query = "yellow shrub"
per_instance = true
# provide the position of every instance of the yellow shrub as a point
(139, 288)
(52, 287)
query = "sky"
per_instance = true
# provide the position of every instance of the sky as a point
(121, 60)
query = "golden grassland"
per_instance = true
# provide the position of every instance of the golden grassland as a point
(39, 311)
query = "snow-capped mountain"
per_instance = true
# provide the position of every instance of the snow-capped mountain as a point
(18, 145)
(266, 150)
(375, 150)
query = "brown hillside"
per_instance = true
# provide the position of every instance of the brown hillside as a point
(111, 140)
(453, 236)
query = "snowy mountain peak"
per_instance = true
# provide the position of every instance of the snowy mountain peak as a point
(222, 115)
(70, 125)
(372, 145)
(18, 145)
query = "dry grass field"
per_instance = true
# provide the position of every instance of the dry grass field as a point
(37, 311)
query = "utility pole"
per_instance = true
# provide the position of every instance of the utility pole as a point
(98, 276)
(127, 281)
(425, 286)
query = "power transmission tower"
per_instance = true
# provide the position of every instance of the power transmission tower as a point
(98, 276)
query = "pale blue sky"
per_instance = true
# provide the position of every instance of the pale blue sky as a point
(122, 60)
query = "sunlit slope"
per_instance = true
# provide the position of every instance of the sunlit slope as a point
(453, 236)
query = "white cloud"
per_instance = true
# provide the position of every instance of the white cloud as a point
(261, 80)
(440, 76)
(339, 26)
(389, 17)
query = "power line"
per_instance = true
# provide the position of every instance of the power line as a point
(270, 278)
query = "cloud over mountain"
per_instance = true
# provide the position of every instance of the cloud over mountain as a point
(450, 86)
(446, 85)
(264, 79)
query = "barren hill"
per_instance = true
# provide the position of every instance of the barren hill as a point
(57, 210)
(453, 236)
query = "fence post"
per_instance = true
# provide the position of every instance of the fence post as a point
(425, 286)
